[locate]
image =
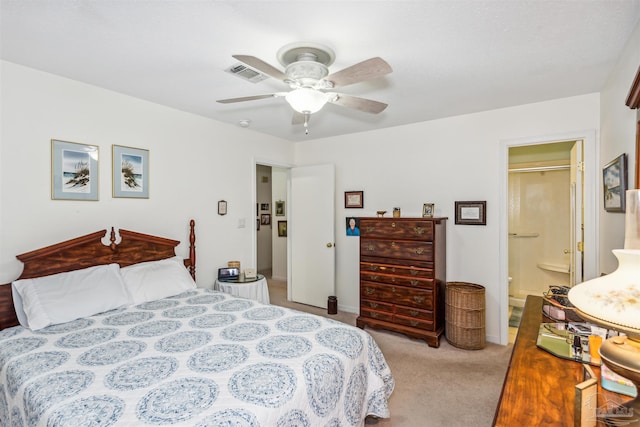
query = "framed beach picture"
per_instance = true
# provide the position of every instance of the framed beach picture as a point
(614, 179)
(74, 171)
(130, 172)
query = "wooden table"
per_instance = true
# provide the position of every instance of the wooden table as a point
(538, 389)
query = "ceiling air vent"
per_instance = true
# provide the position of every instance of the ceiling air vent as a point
(246, 73)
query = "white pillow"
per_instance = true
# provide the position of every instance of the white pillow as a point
(64, 297)
(152, 280)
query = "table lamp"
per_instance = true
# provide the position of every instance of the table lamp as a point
(613, 301)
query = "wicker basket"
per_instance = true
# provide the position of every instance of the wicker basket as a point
(465, 315)
(234, 264)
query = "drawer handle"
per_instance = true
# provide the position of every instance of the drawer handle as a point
(370, 247)
(373, 305)
(393, 224)
(419, 251)
(393, 289)
(370, 229)
(419, 231)
(373, 267)
(374, 315)
(369, 291)
(414, 323)
(415, 283)
(373, 277)
(414, 272)
(393, 244)
(393, 279)
(414, 313)
(419, 299)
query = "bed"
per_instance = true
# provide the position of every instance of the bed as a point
(198, 358)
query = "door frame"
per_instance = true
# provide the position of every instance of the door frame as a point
(590, 206)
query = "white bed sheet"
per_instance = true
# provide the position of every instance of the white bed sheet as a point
(202, 358)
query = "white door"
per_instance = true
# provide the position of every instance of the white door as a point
(312, 234)
(577, 214)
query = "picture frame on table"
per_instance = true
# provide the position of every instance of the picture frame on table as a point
(130, 172)
(353, 199)
(428, 210)
(471, 213)
(614, 180)
(74, 171)
(282, 228)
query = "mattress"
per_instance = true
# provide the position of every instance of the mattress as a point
(201, 358)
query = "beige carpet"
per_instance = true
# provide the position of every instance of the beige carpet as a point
(444, 386)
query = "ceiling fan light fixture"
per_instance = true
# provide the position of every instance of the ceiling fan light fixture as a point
(306, 100)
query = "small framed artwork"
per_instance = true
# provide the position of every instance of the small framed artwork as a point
(353, 226)
(427, 210)
(258, 224)
(354, 199)
(471, 213)
(222, 207)
(74, 171)
(264, 206)
(282, 228)
(280, 208)
(614, 179)
(265, 219)
(130, 172)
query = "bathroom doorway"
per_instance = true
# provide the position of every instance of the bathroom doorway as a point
(545, 220)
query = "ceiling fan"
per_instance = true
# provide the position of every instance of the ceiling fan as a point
(307, 74)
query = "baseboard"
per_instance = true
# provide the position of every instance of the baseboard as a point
(284, 279)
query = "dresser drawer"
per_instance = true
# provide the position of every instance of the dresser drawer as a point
(401, 249)
(414, 322)
(409, 271)
(366, 304)
(398, 295)
(414, 229)
(394, 279)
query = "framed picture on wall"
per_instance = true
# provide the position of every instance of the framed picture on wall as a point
(354, 199)
(74, 171)
(130, 172)
(471, 213)
(614, 179)
(280, 208)
(265, 219)
(282, 228)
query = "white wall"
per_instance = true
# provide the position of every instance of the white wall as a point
(194, 162)
(618, 128)
(440, 161)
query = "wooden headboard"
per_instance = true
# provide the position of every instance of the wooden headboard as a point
(88, 251)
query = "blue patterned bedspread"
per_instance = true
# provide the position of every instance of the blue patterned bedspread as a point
(202, 358)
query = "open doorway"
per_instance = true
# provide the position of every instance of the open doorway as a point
(271, 225)
(549, 218)
(545, 221)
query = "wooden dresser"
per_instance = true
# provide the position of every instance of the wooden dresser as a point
(403, 275)
(539, 388)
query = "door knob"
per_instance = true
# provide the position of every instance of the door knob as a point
(566, 251)
(329, 245)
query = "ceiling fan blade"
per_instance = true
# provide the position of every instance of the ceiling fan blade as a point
(365, 70)
(362, 104)
(260, 65)
(247, 98)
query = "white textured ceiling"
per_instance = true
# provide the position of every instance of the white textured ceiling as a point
(448, 57)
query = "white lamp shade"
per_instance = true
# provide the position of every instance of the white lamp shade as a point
(306, 100)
